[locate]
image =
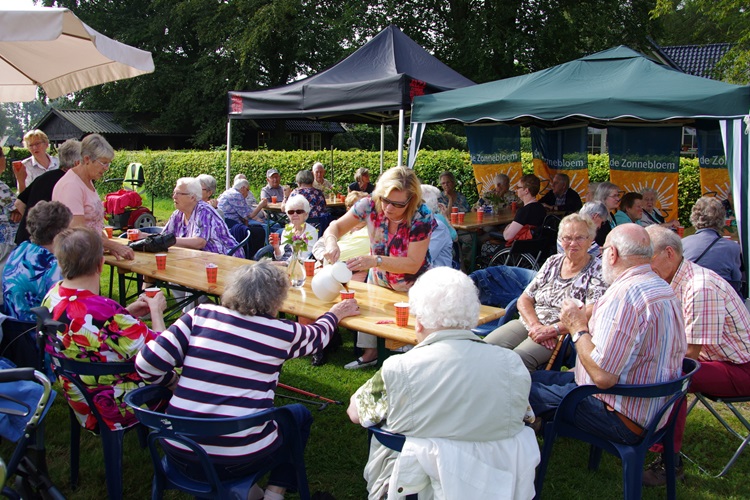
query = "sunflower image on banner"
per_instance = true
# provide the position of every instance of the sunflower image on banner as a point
(713, 164)
(641, 157)
(494, 149)
(563, 151)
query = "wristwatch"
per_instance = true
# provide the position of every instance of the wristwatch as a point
(378, 260)
(578, 335)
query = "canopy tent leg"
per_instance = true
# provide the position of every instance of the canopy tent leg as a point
(229, 151)
(400, 137)
(382, 145)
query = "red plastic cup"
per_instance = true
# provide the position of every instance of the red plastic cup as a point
(274, 238)
(274, 199)
(133, 234)
(480, 215)
(310, 267)
(346, 295)
(454, 218)
(454, 210)
(680, 231)
(728, 222)
(342, 198)
(17, 166)
(514, 206)
(212, 272)
(402, 313)
(461, 216)
(108, 229)
(151, 292)
(161, 261)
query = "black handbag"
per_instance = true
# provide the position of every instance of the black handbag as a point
(154, 243)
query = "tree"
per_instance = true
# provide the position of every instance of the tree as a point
(711, 21)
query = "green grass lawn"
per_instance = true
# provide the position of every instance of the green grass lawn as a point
(337, 451)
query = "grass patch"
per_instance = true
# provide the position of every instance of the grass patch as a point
(337, 451)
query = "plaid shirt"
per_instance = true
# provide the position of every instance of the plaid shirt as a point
(715, 316)
(637, 329)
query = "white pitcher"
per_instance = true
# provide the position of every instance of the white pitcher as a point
(328, 282)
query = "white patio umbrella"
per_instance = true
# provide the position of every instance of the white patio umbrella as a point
(50, 47)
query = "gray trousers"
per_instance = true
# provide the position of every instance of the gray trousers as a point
(513, 335)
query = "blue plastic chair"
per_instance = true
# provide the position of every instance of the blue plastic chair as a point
(182, 429)
(632, 456)
(243, 233)
(510, 312)
(390, 440)
(266, 251)
(73, 370)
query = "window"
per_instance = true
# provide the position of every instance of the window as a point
(263, 137)
(597, 139)
(310, 141)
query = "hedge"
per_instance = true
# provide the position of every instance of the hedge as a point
(163, 168)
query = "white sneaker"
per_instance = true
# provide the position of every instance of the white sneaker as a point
(360, 363)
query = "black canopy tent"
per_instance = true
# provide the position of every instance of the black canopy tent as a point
(375, 84)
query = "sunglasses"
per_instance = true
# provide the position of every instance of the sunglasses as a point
(396, 204)
(292, 212)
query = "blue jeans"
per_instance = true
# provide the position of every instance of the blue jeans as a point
(548, 388)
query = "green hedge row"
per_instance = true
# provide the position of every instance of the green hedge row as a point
(163, 168)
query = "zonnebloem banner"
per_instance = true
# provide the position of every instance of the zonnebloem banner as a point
(494, 149)
(713, 164)
(641, 157)
(564, 151)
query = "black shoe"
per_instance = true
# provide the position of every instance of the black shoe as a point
(319, 358)
(656, 473)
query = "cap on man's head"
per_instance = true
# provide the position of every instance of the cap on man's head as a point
(271, 171)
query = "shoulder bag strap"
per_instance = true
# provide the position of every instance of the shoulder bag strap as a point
(718, 237)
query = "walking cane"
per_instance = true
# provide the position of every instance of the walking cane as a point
(326, 401)
(556, 351)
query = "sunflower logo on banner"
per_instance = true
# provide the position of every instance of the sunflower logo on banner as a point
(641, 157)
(494, 149)
(563, 151)
(713, 164)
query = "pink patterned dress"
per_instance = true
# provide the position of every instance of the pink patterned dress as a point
(98, 330)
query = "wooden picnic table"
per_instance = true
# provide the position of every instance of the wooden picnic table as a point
(472, 226)
(187, 269)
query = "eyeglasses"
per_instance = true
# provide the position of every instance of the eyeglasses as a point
(616, 196)
(396, 204)
(292, 212)
(105, 165)
(520, 187)
(38, 144)
(570, 239)
(178, 193)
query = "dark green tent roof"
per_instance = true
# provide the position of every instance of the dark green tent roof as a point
(618, 84)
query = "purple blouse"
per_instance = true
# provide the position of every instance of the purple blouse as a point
(204, 223)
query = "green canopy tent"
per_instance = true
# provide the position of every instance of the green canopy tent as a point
(614, 87)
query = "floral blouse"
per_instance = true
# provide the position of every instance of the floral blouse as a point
(394, 245)
(316, 198)
(204, 223)
(28, 275)
(461, 202)
(549, 289)
(98, 330)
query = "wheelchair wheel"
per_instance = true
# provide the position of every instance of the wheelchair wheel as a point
(505, 258)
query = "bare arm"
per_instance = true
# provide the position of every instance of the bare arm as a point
(194, 242)
(352, 411)
(511, 230)
(694, 351)
(119, 251)
(336, 230)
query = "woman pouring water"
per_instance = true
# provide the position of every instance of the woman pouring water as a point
(399, 225)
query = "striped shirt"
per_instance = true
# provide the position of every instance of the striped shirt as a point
(638, 332)
(715, 316)
(230, 367)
